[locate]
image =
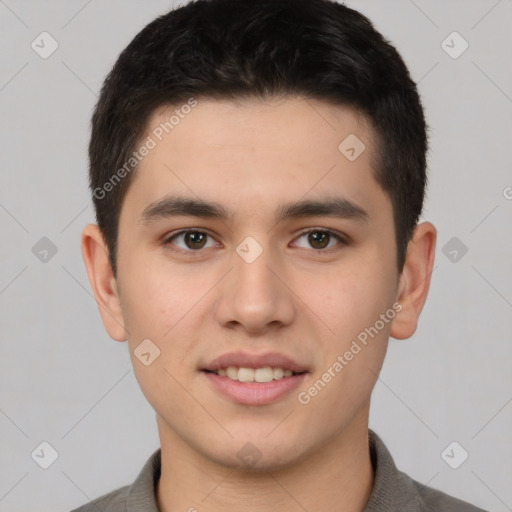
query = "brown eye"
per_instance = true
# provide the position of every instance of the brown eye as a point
(320, 239)
(192, 240)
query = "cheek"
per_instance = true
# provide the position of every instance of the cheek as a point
(167, 307)
(157, 306)
(154, 298)
(351, 298)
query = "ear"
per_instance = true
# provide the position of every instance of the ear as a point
(103, 283)
(415, 280)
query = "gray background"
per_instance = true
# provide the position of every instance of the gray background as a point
(64, 381)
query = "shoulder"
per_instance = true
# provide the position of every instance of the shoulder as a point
(114, 501)
(140, 495)
(433, 500)
(394, 490)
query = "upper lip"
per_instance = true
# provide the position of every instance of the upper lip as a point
(247, 360)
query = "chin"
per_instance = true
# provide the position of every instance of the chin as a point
(261, 464)
(257, 454)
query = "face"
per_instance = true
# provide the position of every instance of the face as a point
(274, 282)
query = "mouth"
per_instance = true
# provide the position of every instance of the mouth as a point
(254, 379)
(263, 374)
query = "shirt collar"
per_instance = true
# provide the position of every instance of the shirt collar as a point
(142, 493)
(392, 489)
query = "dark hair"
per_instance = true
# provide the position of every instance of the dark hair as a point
(237, 49)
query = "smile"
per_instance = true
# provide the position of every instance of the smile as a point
(264, 374)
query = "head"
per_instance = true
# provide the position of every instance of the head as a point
(254, 107)
(242, 49)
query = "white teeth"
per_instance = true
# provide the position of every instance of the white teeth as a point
(278, 373)
(264, 374)
(232, 372)
(245, 374)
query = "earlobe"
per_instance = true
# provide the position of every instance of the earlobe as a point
(415, 280)
(103, 283)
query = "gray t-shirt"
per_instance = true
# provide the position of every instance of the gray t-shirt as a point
(393, 490)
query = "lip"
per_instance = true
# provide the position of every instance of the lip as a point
(254, 393)
(248, 360)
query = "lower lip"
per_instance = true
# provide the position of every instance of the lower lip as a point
(255, 393)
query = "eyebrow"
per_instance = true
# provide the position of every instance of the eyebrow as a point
(175, 206)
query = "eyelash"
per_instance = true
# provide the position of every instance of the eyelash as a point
(343, 240)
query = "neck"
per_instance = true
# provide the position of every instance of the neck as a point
(337, 476)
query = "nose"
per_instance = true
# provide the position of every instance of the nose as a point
(255, 296)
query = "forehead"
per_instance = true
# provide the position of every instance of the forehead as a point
(276, 124)
(251, 154)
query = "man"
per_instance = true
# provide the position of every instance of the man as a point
(258, 172)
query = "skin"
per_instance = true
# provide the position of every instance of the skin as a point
(251, 157)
